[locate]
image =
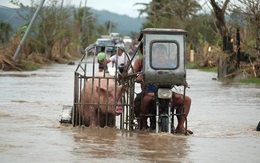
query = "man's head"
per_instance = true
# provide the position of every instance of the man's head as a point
(120, 49)
(161, 57)
(103, 48)
(159, 52)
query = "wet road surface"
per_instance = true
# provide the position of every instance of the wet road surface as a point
(223, 118)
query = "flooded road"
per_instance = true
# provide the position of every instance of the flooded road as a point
(223, 118)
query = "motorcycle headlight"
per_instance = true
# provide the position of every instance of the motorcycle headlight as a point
(164, 93)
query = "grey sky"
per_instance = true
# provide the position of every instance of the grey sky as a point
(116, 6)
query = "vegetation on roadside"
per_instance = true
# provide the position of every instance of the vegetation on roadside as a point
(30, 66)
(209, 69)
(191, 65)
(251, 80)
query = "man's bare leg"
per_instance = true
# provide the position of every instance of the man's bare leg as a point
(185, 110)
(145, 110)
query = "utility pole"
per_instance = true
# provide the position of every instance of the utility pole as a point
(238, 48)
(60, 26)
(110, 27)
(18, 50)
(82, 29)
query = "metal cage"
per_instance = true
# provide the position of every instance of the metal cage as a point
(85, 72)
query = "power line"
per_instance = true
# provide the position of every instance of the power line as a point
(11, 15)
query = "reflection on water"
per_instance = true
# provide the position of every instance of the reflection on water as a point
(123, 145)
(162, 147)
(223, 118)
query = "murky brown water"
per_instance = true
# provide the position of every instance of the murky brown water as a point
(223, 118)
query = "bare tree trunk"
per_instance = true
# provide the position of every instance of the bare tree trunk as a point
(220, 17)
(48, 49)
(223, 32)
(258, 41)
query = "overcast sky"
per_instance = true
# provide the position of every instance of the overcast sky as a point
(116, 6)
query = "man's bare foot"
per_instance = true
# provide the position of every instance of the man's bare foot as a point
(145, 128)
(183, 131)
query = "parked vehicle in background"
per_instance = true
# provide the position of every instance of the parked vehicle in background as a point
(104, 42)
(114, 36)
(127, 39)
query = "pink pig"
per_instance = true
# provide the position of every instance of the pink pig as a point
(105, 97)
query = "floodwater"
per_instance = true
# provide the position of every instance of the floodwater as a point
(223, 118)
